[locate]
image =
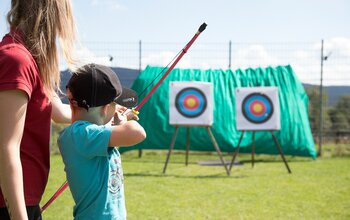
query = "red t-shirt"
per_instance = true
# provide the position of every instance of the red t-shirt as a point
(18, 70)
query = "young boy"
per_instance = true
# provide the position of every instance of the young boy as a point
(92, 163)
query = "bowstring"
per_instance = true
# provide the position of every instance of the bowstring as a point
(160, 73)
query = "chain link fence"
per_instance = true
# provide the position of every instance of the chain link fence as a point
(323, 67)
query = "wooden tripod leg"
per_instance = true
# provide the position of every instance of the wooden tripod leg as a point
(281, 153)
(171, 147)
(253, 146)
(187, 144)
(140, 153)
(236, 151)
(218, 150)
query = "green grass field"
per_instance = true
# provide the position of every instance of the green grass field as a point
(316, 189)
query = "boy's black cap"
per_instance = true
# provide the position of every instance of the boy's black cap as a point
(95, 85)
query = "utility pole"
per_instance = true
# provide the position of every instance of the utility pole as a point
(320, 127)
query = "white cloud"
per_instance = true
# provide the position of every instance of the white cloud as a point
(301, 54)
(254, 56)
(163, 59)
(85, 56)
(339, 43)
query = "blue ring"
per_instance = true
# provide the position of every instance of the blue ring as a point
(257, 119)
(190, 113)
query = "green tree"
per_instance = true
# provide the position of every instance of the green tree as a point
(340, 118)
(314, 110)
(343, 106)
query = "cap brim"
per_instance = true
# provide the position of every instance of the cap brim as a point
(128, 98)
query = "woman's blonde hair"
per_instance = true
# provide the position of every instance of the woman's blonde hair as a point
(42, 23)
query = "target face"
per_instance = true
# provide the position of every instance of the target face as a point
(190, 103)
(257, 108)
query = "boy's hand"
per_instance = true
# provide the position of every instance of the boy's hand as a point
(123, 114)
(132, 115)
(119, 117)
(120, 108)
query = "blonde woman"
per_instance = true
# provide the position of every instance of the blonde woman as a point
(29, 77)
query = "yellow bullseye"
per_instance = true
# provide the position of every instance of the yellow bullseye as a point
(257, 108)
(191, 102)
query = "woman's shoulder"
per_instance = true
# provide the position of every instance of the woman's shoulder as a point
(17, 55)
(13, 51)
(17, 66)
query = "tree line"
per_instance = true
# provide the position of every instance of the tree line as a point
(335, 119)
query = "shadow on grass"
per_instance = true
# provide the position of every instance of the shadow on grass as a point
(248, 161)
(228, 161)
(157, 162)
(213, 176)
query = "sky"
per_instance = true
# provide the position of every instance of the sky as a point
(228, 20)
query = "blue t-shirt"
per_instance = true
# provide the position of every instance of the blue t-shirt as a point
(94, 171)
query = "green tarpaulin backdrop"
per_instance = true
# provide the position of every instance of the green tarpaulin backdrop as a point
(295, 135)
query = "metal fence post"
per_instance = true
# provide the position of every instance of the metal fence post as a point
(229, 54)
(140, 69)
(140, 56)
(320, 127)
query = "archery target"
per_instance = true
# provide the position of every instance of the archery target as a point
(257, 108)
(190, 103)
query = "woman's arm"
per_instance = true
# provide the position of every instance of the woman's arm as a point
(12, 117)
(61, 113)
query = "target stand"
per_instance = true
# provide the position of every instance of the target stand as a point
(253, 147)
(191, 105)
(212, 138)
(257, 109)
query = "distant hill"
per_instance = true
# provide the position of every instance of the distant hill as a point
(127, 77)
(333, 92)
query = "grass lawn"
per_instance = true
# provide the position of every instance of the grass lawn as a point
(316, 189)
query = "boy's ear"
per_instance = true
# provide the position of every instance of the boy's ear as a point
(73, 103)
(104, 109)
